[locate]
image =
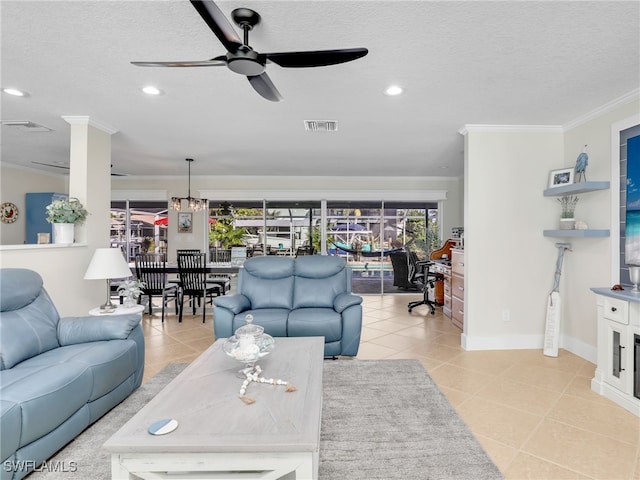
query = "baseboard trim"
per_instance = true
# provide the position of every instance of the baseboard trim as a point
(527, 342)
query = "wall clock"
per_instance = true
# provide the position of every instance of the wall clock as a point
(9, 212)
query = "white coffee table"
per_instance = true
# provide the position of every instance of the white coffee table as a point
(218, 435)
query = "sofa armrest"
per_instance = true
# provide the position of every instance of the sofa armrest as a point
(74, 330)
(236, 303)
(346, 300)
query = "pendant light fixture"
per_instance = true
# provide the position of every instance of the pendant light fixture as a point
(194, 204)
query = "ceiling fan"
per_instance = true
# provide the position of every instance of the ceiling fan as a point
(66, 167)
(244, 60)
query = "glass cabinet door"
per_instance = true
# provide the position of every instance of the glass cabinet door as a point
(616, 373)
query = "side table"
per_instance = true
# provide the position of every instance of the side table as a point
(120, 310)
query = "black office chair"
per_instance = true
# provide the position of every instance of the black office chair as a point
(151, 269)
(192, 270)
(421, 276)
(401, 271)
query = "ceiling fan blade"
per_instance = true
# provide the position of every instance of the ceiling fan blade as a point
(317, 58)
(214, 62)
(265, 87)
(64, 167)
(218, 23)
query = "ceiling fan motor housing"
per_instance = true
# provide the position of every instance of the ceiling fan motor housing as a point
(245, 61)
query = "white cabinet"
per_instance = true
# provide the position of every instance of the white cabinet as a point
(617, 374)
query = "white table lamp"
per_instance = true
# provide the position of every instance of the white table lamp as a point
(107, 263)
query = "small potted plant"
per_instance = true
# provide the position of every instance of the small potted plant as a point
(131, 291)
(568, 205)
(64, 214)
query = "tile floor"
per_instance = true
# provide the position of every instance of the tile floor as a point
(536, 416)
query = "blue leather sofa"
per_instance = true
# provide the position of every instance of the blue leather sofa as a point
(57, 375)
(295, 297)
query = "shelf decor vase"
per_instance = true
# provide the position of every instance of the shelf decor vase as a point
(63, 233)
(567, 223)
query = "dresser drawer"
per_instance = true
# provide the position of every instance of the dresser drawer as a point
(457, 287)
(457, 310)
(457, 262)
(616, 310)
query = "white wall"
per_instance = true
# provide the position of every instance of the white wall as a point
(509, 265)
(15, 182)
(63, 268)
(589, 265)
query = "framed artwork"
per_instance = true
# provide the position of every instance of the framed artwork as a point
(185, 222)
(561, 177)
(44, 238)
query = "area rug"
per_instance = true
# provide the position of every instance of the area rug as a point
(381, 419)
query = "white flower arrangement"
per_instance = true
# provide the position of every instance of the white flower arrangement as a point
(131, 288)
(68, 210)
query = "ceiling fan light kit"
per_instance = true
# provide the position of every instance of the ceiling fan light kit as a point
(194, 204)
(244, 60)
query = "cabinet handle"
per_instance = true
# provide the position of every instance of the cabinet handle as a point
(461, 289)
(620, 347)
(614, 309)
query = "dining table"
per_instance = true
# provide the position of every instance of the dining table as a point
(211, 267)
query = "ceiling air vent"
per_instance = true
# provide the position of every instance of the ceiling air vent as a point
(26, 126)
(321, 125)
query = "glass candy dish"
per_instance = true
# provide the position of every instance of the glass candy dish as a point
(248, 344)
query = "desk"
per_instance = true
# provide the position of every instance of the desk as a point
(120, 310)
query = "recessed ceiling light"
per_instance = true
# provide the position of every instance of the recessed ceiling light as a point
(151, 90)
(14, 91)
(393, 90)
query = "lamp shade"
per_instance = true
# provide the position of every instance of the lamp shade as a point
(107, 263)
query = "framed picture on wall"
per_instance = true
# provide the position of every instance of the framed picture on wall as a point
(561, 177)
(185, 222)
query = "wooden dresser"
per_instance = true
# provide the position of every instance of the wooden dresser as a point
(457, 287)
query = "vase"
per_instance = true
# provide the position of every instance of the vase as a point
(567, 223)
(63, 233)
(129, 301)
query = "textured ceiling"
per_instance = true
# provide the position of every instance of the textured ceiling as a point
(489, 62)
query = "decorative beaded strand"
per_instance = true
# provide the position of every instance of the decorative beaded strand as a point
(253, 375)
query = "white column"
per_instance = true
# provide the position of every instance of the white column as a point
(90, 177)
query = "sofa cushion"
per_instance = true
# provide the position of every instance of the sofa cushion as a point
(27, 332)
(319, 280)
(18, 288)
(47, 395)
(267, 282)
(315, 322)
(11, 421)
(274, 320)
(110, 363)
(72, 330)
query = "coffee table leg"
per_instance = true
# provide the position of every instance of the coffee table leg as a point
(301, 466)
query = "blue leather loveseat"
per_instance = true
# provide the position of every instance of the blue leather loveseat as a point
(57, 375)
(301, 297)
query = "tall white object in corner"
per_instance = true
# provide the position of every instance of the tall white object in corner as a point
(554, 308)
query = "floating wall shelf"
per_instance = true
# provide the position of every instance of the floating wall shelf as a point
(576, 233)
(576, 188)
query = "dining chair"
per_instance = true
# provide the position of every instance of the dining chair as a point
(224, 281)
(151, 268)
(192, 271)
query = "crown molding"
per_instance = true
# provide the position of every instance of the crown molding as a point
(86, 120)
(510, 129)
(633, 95)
